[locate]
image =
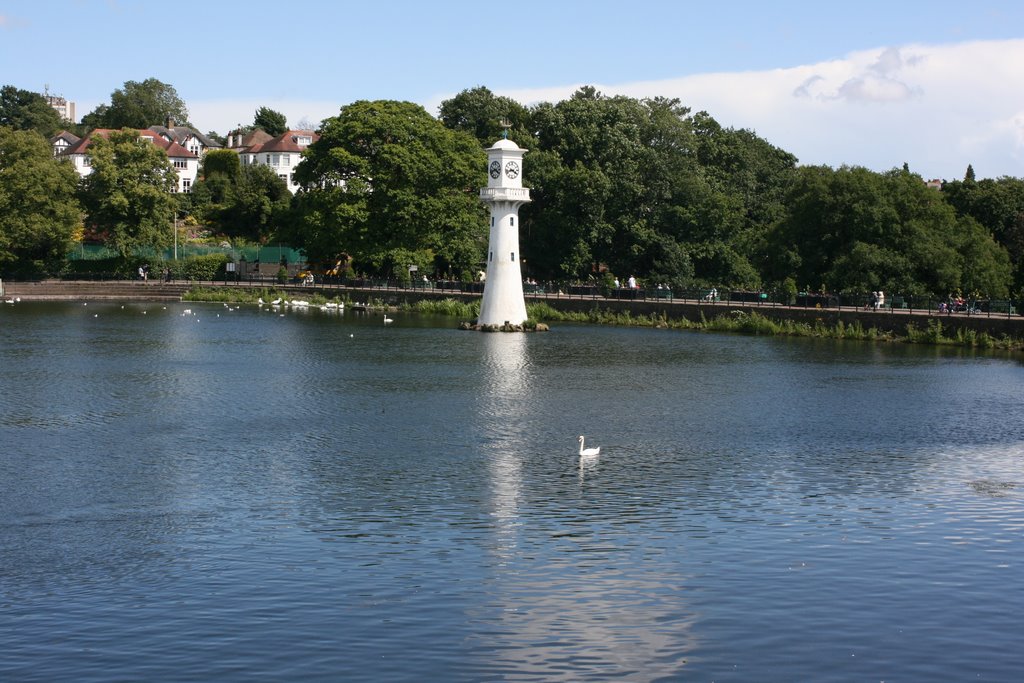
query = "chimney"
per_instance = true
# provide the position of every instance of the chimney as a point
(170, 123)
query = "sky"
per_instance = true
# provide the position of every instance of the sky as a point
(937, 85)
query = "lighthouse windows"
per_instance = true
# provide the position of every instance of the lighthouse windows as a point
(513, 257)
(511, 220)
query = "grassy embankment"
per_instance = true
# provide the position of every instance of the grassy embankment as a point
(736, 321)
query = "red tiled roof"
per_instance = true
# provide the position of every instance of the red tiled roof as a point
(287, 141)
(173, 149)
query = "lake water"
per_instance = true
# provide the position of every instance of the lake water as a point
(241, 495)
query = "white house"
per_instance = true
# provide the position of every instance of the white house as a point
(62, 141)
(282, 154)
(185, 162)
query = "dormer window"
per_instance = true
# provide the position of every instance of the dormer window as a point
(304, 140)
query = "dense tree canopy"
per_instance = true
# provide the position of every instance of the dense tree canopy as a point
(139, 105)
(127, 197)
(481, 113)
(998, 206)
(38, 208)
(25, 110)
(240, 201)
(619, 184)
(855, 230)
(390, 184)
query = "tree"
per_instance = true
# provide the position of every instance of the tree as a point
(239, 201)
(272, 122)
(618, 184)
(255, 202)
(127, 196)
(139, 105)
(25, 110)
(480, 113)
(998, 206)
(855, 230)
(390, 185)
(38, 208)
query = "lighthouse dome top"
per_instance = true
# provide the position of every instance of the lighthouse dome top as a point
(507, 144)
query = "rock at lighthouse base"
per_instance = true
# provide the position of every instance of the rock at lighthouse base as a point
(507, 327)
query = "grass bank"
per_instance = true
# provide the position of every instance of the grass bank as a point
(241, 295)
(744, 322)
(740, 322)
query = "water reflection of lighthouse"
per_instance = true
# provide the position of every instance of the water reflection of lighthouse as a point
(503, 300)
(598, 598)
(502, 408)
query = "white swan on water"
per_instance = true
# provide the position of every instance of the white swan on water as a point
(588, 451)
(387, 319)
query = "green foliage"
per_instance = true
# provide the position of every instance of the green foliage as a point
(38, 208)
(139, 106)
(480, 112)
(641, 187)
(221, 162)
(205, 267)
(127, 197)
(26, 110)
(238, 201)
(272, 122)
(252, 295)
(858, 231)
(386, 177)
(460, 309)
(998, 206)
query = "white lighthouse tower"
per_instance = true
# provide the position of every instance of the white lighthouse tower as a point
(503, 300)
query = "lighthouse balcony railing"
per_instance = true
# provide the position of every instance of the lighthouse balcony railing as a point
(505, 193)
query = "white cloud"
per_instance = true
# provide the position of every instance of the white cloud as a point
(936, 107)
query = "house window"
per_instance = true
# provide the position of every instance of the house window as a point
(268, 160)
(286, 159)
(86, 161)
(180, 163)
(304, 140)
(186, 185)
(283, 176)
(277, 160)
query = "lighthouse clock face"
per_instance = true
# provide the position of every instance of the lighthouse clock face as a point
(512, 170)
(495, 169)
